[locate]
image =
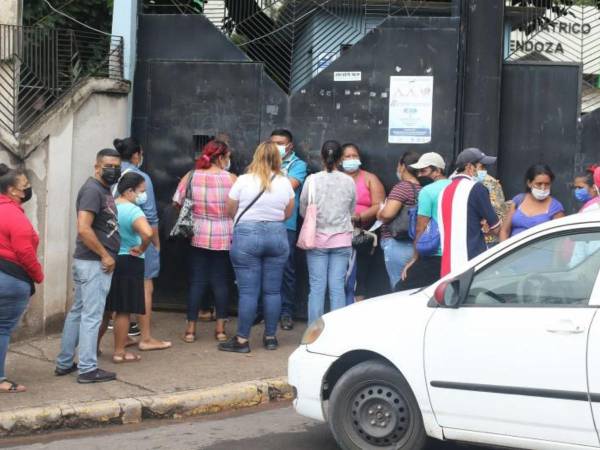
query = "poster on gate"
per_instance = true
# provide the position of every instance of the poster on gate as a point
(411, 106)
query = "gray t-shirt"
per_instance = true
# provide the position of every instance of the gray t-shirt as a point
(97, 198)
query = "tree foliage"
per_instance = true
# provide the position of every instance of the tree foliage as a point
(95, 13)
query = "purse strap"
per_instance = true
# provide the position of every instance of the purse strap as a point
(260, 194)
(188, 189)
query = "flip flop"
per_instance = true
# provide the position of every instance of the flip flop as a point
(126, 358)
(163, 346)
(13, 389)
(189, 338)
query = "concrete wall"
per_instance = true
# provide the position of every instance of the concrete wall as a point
(57, 166)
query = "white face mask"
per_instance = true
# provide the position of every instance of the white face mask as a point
(399, 175)
(228, 165)
(540, 194)
(139, 164)
(282, 150)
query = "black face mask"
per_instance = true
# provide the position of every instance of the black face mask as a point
(28, 193)
(111, 174)
(425, 180)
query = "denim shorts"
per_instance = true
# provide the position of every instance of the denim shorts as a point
(151, 262)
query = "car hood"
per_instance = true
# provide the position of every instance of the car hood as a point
(366, 325)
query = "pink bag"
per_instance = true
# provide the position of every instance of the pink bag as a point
(308, 233)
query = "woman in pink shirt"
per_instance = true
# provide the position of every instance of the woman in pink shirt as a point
(213, 228)
(370, 195)
(335, 197)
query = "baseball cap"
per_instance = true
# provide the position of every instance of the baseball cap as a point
(473, 155)
(429, 159)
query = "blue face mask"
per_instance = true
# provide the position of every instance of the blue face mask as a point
(351, 165)
(582, 195)
(481, 174)
(141, 198)
(282, 150)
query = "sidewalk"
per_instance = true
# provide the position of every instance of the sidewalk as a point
(189, 368)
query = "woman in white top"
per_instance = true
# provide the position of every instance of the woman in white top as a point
(259, 201)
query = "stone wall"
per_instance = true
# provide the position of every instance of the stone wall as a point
(59, 156)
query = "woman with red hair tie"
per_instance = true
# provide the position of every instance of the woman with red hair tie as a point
(213, 229)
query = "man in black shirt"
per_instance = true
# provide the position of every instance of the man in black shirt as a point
(96, 249)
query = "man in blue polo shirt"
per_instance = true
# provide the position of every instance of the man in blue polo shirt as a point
(295, 169)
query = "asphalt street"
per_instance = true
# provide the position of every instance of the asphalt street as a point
(270, 428)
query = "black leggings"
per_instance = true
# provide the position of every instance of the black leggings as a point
(208, 268)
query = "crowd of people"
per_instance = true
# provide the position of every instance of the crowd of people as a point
(430, 223)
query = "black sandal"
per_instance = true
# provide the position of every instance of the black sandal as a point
(13, 389)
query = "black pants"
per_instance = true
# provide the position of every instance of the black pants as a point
(424, 272)
(208, 268)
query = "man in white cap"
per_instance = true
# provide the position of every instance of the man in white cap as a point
(423, 270)
(463, 206)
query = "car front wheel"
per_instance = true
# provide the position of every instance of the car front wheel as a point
(373, 407)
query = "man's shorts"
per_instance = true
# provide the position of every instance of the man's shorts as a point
(151, 262)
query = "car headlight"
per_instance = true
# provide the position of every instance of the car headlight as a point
(313, 332)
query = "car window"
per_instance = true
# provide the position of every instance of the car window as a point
(558, 270)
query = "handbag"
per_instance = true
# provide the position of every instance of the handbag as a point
(405, 222)
(184, 226)
(429, 242)
(364, 242)
(308, 233)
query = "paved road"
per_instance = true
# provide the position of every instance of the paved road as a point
(271, 428)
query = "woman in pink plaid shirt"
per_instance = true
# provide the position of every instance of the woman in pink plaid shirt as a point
(213, 228)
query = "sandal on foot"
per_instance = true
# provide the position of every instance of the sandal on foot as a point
(14, 388)
(162, 345)
(126, 358)
(221, 336)
(189, 338)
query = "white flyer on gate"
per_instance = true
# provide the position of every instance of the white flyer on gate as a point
(411, 106)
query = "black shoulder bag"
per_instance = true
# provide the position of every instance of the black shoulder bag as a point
(400, 226)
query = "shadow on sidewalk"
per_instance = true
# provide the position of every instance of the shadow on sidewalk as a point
(184, 366)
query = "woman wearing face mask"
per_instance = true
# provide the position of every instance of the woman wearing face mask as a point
(132, 158)
(126, 295)
(496, 197)
(213, 229)
(535, 206)
(585, 190)
(399, 250)
(370, 194)
(19, 266)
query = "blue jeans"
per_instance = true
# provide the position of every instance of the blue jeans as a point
(397, 254)
(208, 268)
(258, 254)
(83, 321)
(14, 296)
(326, 268)
(288, 286)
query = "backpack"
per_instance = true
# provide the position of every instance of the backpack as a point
(429, 242)
(404, 225)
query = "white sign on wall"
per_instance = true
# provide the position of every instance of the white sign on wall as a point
(347, 76)
(411, 107)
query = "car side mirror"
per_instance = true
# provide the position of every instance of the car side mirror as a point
(452, 293)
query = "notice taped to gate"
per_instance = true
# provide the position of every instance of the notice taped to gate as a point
(411, 106)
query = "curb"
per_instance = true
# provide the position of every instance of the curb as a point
(190, 403)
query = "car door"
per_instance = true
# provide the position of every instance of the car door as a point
(511, 359)
(593, 355)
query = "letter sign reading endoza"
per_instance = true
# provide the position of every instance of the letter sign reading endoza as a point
(347, 76)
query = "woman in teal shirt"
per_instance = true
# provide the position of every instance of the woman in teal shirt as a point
(126, 295)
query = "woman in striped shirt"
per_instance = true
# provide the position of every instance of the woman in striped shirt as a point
(209, 256)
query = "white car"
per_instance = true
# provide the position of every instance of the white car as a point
(505, 352)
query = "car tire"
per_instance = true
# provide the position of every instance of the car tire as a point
(372, 407)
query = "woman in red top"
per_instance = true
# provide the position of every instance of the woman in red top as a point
(19, 266)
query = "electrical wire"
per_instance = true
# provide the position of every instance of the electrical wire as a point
(52, 13)
(73, 19)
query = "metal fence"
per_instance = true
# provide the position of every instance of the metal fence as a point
(297, 39)
(39, 66)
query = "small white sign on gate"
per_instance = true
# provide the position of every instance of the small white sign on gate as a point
(347, 76)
